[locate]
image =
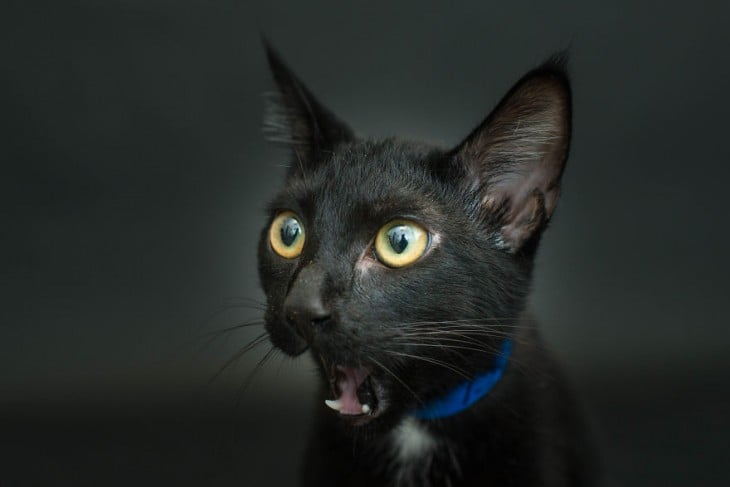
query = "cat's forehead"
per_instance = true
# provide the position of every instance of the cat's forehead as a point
(386, 164)
(368, 178)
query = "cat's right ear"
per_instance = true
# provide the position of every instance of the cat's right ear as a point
(294, 118)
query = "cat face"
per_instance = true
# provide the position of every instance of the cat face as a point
(400, 266)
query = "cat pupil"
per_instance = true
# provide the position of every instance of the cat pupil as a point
(399, 237)
(290, 231)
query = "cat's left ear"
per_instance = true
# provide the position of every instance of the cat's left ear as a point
(514, 159)
(296, 119)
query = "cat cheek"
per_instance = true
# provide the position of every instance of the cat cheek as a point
(366, 264)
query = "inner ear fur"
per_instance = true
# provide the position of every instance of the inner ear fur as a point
(514, 159)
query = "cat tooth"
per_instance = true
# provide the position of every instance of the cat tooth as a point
(333, 404)
(365, 408)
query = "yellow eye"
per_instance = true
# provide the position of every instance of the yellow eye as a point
(400, 243)
(287, 235)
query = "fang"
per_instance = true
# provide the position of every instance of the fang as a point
(333, 404)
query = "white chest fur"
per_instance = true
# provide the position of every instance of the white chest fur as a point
(412, 442)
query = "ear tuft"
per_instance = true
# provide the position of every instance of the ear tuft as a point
(557, 64)
(515, 158)
(278, 126)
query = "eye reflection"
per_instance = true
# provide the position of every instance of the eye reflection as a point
(399, 237)
(290, 230)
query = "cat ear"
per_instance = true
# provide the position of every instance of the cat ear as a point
(514, 159)
(296, 119)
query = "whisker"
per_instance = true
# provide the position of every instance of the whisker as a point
(249, 346)
(398, 379)
(434, 361)
(445, 347)
(249, 378)
(445, 343)
(469, 337)
(201, 329)
(475, 319)
(475, 323)
(244, 324)
(212, 336)
(246, 303)
(244, 299)
(454, 331)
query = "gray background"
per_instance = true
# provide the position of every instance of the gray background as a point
(133, 180)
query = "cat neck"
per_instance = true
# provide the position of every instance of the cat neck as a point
(416, 447)
(467, 393)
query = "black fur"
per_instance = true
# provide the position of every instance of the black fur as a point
(423, 327)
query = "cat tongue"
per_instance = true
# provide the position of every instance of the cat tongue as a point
(348, 380)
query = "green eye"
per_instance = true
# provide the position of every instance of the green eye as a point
(286, 235)
(400, 243)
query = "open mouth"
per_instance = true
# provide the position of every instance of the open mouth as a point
(357, 394)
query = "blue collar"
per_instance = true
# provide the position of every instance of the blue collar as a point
(467, 393)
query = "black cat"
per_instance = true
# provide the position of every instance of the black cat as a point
(404, 270)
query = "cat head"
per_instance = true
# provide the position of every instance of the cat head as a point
(402, 266)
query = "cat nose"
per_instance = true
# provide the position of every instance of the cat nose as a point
(304, 307)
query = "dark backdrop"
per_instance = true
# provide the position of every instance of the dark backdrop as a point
(134, 175)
